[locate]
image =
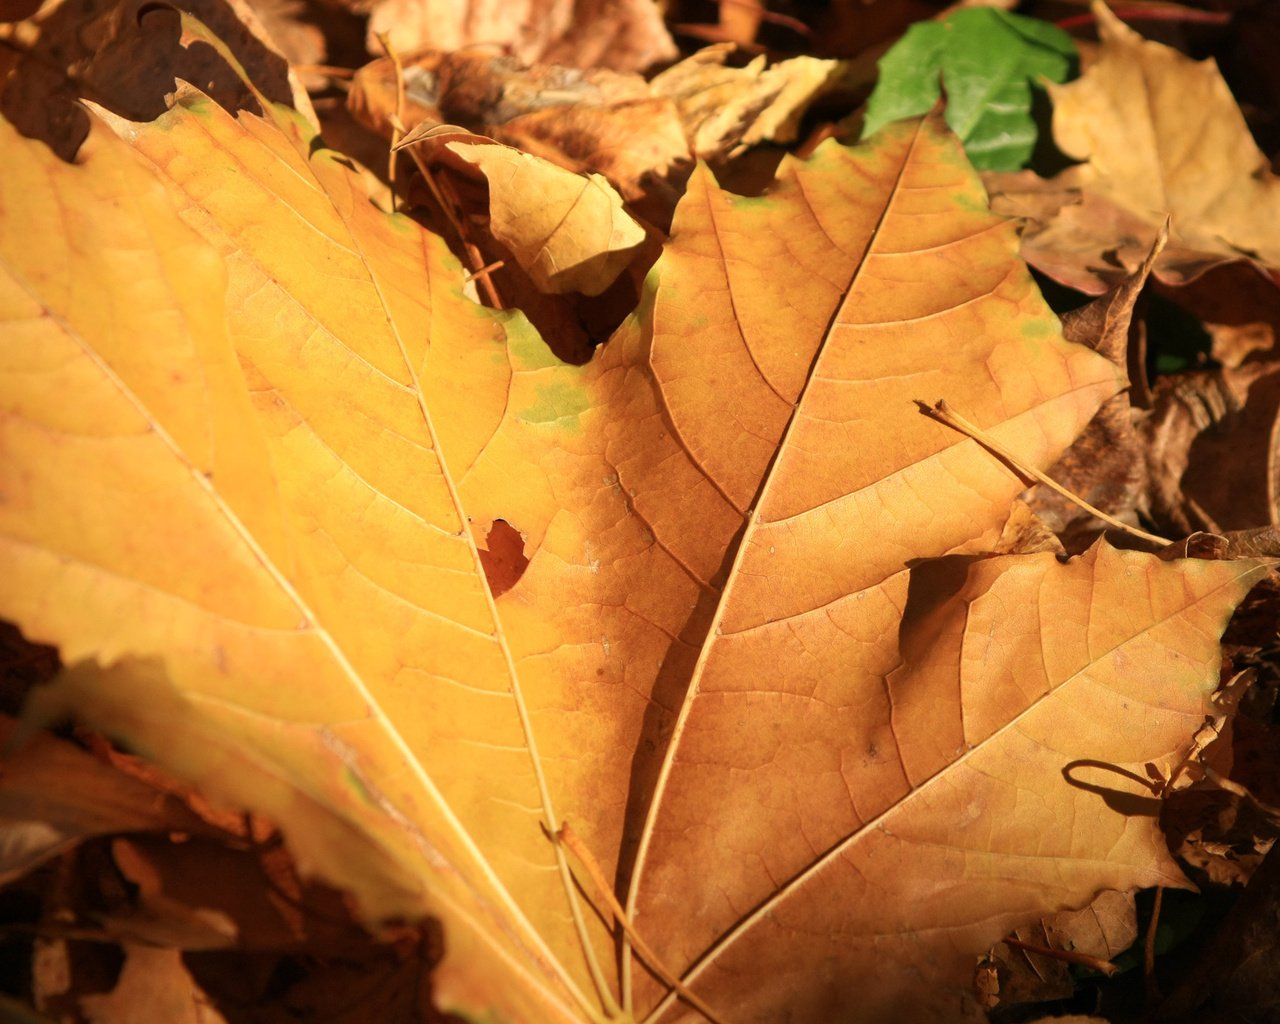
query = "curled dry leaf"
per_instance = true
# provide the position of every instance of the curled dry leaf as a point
(757, 655)
(1107, 464)
(1210, 444)
(641, 135)
(1161, 136)
(53, 795)
(726, 109)
(568, 231)
(583, 120)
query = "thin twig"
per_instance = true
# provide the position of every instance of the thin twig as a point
(785, 20)
(1185, 15)
(397, 119)
(570, 841)
(945, 414)
(1149, 950)
(1069, 956)
(332, 70)
(485, 271)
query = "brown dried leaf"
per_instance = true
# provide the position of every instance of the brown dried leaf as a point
(1162, 136)
(583, 120)
(640, 135)
(102, 50)
(154, 985)
(624, 35)
(1210, 446)
(1106, 466)
(726, 109)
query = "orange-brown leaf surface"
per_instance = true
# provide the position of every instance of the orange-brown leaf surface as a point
(254, 436)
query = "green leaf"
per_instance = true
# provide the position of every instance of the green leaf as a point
(987, 60)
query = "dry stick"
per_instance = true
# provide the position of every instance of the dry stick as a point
(785, 20)
(397, 119)
(332, 70)
(1233, 787)
(446, 205)
(1066, 955)
(1149, 950)
(485, 270)
(480, 270)
(567, 838)
(945, 414)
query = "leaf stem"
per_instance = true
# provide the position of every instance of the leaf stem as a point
(571, 842)
(943, 413)
(1186, 15)
(1069, 956)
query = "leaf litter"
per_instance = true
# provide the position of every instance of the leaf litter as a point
(792, 664)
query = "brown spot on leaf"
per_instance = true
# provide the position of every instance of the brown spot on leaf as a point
(503, 557)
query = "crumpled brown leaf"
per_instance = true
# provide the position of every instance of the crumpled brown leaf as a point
(1106, 464)
(642, 136)
(1210, 442)
(726, 109)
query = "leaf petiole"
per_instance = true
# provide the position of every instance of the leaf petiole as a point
(944, 414)
(567, 838)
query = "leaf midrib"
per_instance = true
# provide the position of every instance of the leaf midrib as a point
(753, 520)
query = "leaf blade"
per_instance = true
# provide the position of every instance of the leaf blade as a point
(332, 591)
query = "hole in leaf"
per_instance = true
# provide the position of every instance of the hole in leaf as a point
(503, 557)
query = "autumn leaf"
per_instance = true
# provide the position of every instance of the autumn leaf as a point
(255, 450)
(569, 232)
(758, 656)
(639, 134)
(987, 60)
(626, 35)
(726, 109)
(1160, 135)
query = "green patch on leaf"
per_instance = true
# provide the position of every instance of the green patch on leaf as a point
(987, 61)
(1031, 328)
(556, 402)
(358, 785)
(197, 104)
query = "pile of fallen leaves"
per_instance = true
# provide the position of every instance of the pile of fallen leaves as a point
(590, 511)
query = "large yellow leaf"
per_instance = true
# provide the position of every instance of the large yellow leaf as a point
(270, 521)
(251, 428)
